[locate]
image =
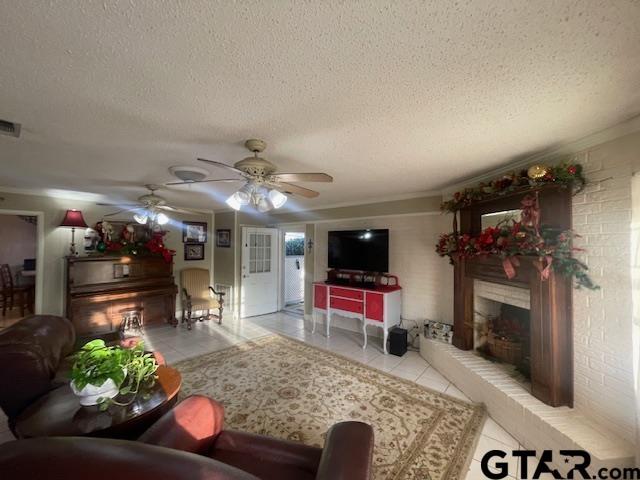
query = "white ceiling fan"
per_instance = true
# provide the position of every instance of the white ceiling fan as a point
(149, 207)
(264, 188)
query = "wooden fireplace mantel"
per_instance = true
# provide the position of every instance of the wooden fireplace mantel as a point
(551, 299)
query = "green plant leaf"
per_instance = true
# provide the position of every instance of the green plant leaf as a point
(94, 344)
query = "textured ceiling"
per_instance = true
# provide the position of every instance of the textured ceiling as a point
(390, 98)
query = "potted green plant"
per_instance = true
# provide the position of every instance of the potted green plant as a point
(100, 372)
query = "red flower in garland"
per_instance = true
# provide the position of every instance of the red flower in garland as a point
(572, 170)
(156, 245)
(114, 246)
(487, 238)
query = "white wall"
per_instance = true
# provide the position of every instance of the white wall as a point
(424, 277)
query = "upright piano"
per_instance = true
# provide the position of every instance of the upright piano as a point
(101, 288)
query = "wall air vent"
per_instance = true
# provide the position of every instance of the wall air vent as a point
(9, 128)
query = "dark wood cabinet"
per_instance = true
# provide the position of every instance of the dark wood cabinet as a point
(100, 288)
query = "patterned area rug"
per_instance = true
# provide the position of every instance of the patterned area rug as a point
(288, 389)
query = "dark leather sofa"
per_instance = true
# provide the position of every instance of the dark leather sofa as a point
(34, 359)
(31, 354)
(190, 442)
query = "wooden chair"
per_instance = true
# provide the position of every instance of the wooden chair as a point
(12, 295)
(199, 296)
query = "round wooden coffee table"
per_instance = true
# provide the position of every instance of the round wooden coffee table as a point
(59, 413)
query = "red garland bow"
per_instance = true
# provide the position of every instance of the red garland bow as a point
(544, 271)
(509, 264)
(530, 216)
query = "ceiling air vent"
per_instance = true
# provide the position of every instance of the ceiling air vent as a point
(189, 173)
(9, 128)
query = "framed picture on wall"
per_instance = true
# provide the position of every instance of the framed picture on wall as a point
(223, 238)
(194, 251)
(194, 232)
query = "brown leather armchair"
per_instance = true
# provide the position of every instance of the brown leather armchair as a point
(190, 442)
(196, 426)
(75, 458)
(31, 354)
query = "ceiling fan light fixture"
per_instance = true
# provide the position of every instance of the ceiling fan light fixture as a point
(264, 204)
(162, 219)
(141, 218)
(243, 196)
(233, 202)
(277, 198)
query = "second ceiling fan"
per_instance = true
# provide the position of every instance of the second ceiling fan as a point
(264, 188)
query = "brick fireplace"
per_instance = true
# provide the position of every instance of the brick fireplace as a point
(550, 341)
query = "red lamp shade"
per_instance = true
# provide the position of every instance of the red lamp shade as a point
(73, 218)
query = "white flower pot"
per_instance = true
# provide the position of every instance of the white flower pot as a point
(90, 394)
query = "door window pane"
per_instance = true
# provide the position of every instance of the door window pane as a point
(259, 253)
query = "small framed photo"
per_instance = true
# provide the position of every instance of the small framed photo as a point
(194, 251)
(223, 238)
(194, 232)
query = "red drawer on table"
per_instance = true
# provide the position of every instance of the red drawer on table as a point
(346, 293)
(320, 297)
(374, 306)
(346, 305)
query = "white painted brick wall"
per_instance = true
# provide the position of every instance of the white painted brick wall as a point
(602, 319)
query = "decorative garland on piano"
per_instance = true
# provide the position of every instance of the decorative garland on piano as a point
(127, 244)
(553, 250)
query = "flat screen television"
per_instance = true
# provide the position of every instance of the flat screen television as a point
(365, 250)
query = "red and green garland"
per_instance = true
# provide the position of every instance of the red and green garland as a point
(511, 240)
(127, 245)
(566, 174)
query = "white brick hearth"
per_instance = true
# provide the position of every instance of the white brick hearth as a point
(533, 423)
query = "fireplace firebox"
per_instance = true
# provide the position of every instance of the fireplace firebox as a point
(504, 337)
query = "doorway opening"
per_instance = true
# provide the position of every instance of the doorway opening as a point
(18, 252)
(294, 273)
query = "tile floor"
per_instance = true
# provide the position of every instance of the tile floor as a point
(178, 344)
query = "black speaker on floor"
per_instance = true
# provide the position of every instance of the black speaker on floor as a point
(398, 341)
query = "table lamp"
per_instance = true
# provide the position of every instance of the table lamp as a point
(73, 218)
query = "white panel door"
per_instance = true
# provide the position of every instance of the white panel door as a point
(259, 283)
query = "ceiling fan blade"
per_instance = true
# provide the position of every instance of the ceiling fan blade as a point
(121, 205)
(295, 189)
(303, 177)
(223, 165)
(121, 211)
(177, 210)
(206, 181)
